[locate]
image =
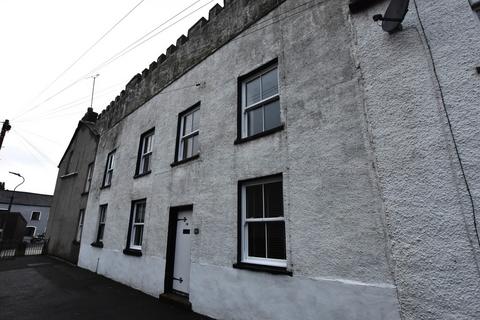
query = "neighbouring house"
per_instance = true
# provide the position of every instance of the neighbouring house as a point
(290, 160)
(34, 208)
(73, 184)
(12, 226)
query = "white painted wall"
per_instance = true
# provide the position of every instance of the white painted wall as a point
(429, 214)
(371, 182)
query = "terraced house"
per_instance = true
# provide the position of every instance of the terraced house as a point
(290, 160)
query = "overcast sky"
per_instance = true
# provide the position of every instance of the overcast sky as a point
(45, 91)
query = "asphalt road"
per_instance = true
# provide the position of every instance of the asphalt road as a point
(40, 287)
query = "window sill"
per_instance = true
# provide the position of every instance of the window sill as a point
(105, 187)
(259, 135)
(132, 252)
(263, 268)
(97, 244)
(177, 163)
(142, 174)
(68, 175)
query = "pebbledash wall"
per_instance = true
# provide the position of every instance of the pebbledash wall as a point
(378, 220)
(412, 80)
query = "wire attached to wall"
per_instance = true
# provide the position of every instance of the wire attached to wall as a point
(449, 124)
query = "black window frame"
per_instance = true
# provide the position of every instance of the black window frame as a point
(32, 216)
(181, 115)
(128, 247)
(241, 264)
(138, 173)
(99, 241)
(240, 119)
(30, 228)
(106, 169)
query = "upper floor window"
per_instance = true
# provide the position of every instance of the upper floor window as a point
(263, 222)
(145, 153)
(88, 181)
(35, 216)
(81, 217)
(68, 168)
(260, 101)
(188, 132)
(107, 177)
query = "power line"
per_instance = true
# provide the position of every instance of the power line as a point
(129, 48)
(57, 115)
(139, 41)
(85, 52)
(40, 136)
(103, 64)
(72, 104)
(46, 158)
(283, 18)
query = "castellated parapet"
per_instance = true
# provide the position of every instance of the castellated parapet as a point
(203, 39)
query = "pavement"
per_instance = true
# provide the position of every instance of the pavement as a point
(41, 287)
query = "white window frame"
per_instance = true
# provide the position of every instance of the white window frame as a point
(259, 104)
(81, 219)
(88, 182)
(148, 152)
(100, 222)
(182, 137)
(39, 215)
(134, 224)
(109, 169)
(245, 257)
(34, 231)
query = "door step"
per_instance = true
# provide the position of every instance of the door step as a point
(177, 300)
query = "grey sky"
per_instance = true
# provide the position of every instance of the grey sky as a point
(41, 39)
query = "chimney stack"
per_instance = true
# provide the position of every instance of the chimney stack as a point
(90, 116)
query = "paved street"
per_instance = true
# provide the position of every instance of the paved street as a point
(41, 287)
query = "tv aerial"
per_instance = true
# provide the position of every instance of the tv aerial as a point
(393, 17)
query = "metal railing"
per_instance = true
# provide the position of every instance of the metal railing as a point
(12, 249)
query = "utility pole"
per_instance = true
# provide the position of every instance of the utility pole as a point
(5, 127)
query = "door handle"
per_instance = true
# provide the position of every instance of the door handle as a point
(178, 279)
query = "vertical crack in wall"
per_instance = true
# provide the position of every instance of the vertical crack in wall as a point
(375, 177)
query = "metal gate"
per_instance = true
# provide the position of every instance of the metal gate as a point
(12, 249)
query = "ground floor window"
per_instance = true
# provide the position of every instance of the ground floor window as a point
(137, 223)
(101, 222)
(81, 217)
(30, 232)
(262, 222)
